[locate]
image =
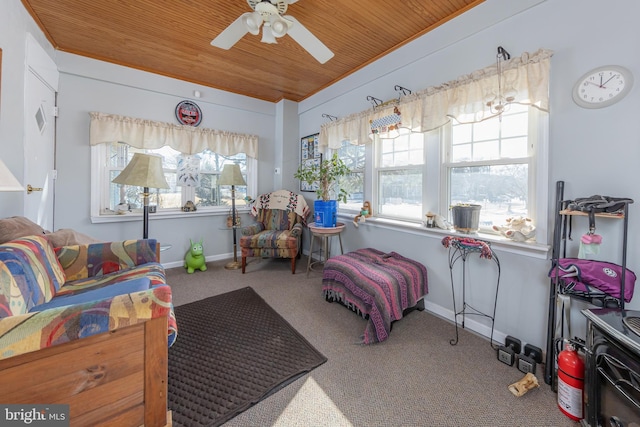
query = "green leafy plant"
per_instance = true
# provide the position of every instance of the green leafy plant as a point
(327, 174)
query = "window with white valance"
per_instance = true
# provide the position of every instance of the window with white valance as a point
(467, 99)
(147, 134)
(198, 154)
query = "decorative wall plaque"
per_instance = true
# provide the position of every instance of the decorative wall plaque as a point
(188, 113)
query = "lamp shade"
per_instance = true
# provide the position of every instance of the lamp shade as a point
(231, 175)
(8, 182)
(144, 170)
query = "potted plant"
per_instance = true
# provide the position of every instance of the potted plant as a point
(326, 175)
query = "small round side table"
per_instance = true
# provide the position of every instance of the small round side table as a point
(323, 233)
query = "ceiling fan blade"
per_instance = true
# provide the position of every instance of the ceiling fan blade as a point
(308, 41)
(232, 34)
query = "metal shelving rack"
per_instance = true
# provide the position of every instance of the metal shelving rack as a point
(560, 237)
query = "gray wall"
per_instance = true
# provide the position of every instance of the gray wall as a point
(594, 151)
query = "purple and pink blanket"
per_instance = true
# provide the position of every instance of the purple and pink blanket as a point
(380, 285)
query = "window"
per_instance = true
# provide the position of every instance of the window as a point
(490, 163)
(354, 157)
(109, 198)
(400, 164)
(495, 163)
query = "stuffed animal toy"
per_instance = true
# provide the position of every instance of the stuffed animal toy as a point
(517, 228)
(528, 382)
(189, 207)
(194, 258)
(365, 212)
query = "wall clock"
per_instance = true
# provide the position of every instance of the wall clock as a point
(602, 86)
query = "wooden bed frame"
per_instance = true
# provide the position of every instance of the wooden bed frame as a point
(115, 378)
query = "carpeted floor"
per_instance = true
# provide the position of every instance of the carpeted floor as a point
(234, 350)
(415, 378)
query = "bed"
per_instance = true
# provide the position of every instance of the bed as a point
(381, 287)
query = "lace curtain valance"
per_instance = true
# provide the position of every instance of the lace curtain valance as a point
(466, 99)
(139, 133)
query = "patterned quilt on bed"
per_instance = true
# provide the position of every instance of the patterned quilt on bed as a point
(380, 285)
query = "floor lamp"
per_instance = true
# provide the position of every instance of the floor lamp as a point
(144, 170)
(231, 175)
(8, 182)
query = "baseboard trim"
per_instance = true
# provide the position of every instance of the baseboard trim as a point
(469, 324)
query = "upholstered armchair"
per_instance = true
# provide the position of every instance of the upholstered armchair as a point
(277, 233)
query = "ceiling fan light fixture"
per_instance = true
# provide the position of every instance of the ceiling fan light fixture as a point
(267, 35)
(269, 14)
(279, 26)
(253, 21)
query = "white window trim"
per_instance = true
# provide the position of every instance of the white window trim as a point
(341, 207)
(538, 138)
(100, 197)
(434, 177)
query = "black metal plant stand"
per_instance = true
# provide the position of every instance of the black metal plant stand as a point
(459, 249)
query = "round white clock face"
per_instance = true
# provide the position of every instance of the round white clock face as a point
(602, 86)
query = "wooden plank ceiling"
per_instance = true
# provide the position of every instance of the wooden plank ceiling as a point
(172, 38)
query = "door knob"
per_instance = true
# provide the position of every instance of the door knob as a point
(31, 189)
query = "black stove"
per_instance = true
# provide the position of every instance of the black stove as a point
(622, 325)
(613, 367)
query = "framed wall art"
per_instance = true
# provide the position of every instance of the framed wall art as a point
(310, 155)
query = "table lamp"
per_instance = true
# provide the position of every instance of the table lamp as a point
(144, 170)
(231, 175)
(8, 182)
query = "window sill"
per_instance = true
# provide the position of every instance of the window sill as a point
(530, 249)
(171, 214)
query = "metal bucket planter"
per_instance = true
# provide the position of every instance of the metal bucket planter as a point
(466, 218)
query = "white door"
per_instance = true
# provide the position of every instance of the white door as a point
(41, 81)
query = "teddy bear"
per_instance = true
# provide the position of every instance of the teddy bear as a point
(517, 228)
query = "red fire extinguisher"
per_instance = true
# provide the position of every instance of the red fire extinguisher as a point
(570, 382)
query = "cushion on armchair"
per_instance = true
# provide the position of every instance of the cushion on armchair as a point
(120, 288)
(30, 274)
(40, 329)
(84, 261)
(276, 219)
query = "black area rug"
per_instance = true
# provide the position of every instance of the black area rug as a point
(232, 351)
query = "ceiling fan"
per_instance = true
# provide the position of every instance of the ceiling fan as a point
(269, 14)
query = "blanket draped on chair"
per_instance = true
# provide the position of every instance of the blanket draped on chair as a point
(284, 200)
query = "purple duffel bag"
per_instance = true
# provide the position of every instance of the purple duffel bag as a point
(582, 275)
